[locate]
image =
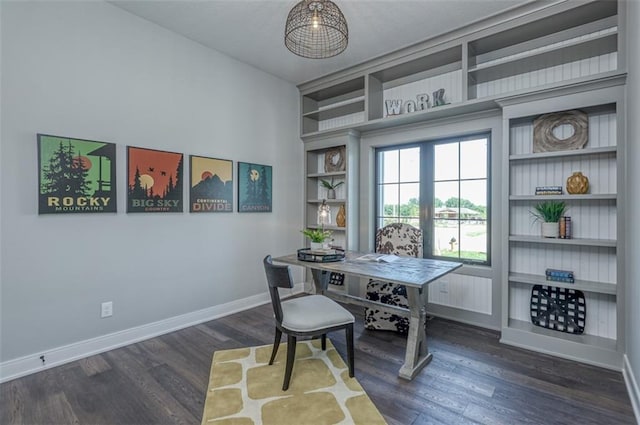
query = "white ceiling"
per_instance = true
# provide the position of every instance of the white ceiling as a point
(252, 31)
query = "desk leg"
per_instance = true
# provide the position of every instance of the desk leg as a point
(417, 355)
(320, 280)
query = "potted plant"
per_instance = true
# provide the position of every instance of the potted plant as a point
(317, 237)
(331, 187)
(549, 212)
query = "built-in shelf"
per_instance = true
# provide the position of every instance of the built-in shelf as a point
(445, 111)
(563, 154)
(329, 201)
(344, 108)
(582, 285)
(327, 227)
(559, 57)
(331, 174)
(595, 258)
(587, 197)
(529, 330)
(579, 242)
(545, 58)
(482, 105)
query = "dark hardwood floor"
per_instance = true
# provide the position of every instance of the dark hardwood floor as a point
(472, 379)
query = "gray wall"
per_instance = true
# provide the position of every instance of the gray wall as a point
(633, 192)
(90, 70)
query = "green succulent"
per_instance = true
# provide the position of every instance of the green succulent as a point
(330, 184)
(549, 211)
(316, 235)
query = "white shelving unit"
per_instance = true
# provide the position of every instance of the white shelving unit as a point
(316, 171)
(593, 253)
(316, 194)
(535, 59)
(558, 45)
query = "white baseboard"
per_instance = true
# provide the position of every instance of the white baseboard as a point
(632, 386)
(32, 363)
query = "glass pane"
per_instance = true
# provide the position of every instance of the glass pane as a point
(445, 238)
(473, 225)
(410, 200)
(473, 240)
(473, 199)
(445, 161)
(388, 162)
(389, 200)
(389, 220)
(445, 196)
(473, 159)
(412, 221)
(410, 165)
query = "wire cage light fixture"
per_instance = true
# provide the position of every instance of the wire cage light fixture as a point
(316, 29)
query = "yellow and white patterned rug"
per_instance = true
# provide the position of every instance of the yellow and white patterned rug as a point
(245, 390)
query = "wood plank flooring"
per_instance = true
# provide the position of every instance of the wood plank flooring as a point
(473, 379)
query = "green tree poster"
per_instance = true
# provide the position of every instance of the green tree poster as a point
(254, 187)
(75, 175)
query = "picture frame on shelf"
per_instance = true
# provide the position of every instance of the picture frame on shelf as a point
(544, 139)
(334, 160)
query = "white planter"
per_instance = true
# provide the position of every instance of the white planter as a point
(550, 230)
(317, 245)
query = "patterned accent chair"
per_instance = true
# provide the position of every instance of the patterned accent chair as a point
(399, 239)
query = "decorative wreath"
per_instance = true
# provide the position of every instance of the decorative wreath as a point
(545, 141)
(334, 159)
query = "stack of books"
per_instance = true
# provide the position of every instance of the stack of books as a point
(565, 228)
(548, 190)
(560, 275)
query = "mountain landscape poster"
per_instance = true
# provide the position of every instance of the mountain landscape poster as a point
(211, 185)
(154, 180)
(254, 187)
(76, 175)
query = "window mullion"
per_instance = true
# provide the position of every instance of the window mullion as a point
(426, 197)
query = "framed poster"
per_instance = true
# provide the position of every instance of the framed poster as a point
(211, 185)
(154, 180)
(76, 175)
(254, 187)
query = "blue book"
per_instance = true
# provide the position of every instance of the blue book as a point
(559, 273)
(561, 279)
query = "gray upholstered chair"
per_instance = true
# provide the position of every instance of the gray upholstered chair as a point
(398, 239)
(312, 315)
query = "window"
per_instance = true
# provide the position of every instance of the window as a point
(441, 187)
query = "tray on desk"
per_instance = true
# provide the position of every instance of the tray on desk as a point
(320, 255)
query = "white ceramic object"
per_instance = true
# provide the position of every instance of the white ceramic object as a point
(550, 230)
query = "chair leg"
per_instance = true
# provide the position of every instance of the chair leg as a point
(324, 342)
(350, 356)
(276, 344)
(291, 355)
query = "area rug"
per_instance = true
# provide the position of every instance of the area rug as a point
(244, 390)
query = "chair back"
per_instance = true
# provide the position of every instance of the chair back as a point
(399, 239)
(277, 277)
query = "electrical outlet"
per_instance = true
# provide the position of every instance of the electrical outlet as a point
(443, 286)
(107, 309)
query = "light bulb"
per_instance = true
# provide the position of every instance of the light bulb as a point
(315, 21)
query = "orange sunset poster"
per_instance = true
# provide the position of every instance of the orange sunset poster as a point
(154, 180)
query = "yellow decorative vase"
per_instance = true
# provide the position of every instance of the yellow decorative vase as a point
(577, 184)
(341, 217)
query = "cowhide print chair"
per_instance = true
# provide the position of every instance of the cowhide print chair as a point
(399, 239)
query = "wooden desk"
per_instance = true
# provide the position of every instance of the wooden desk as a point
(414, 273)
